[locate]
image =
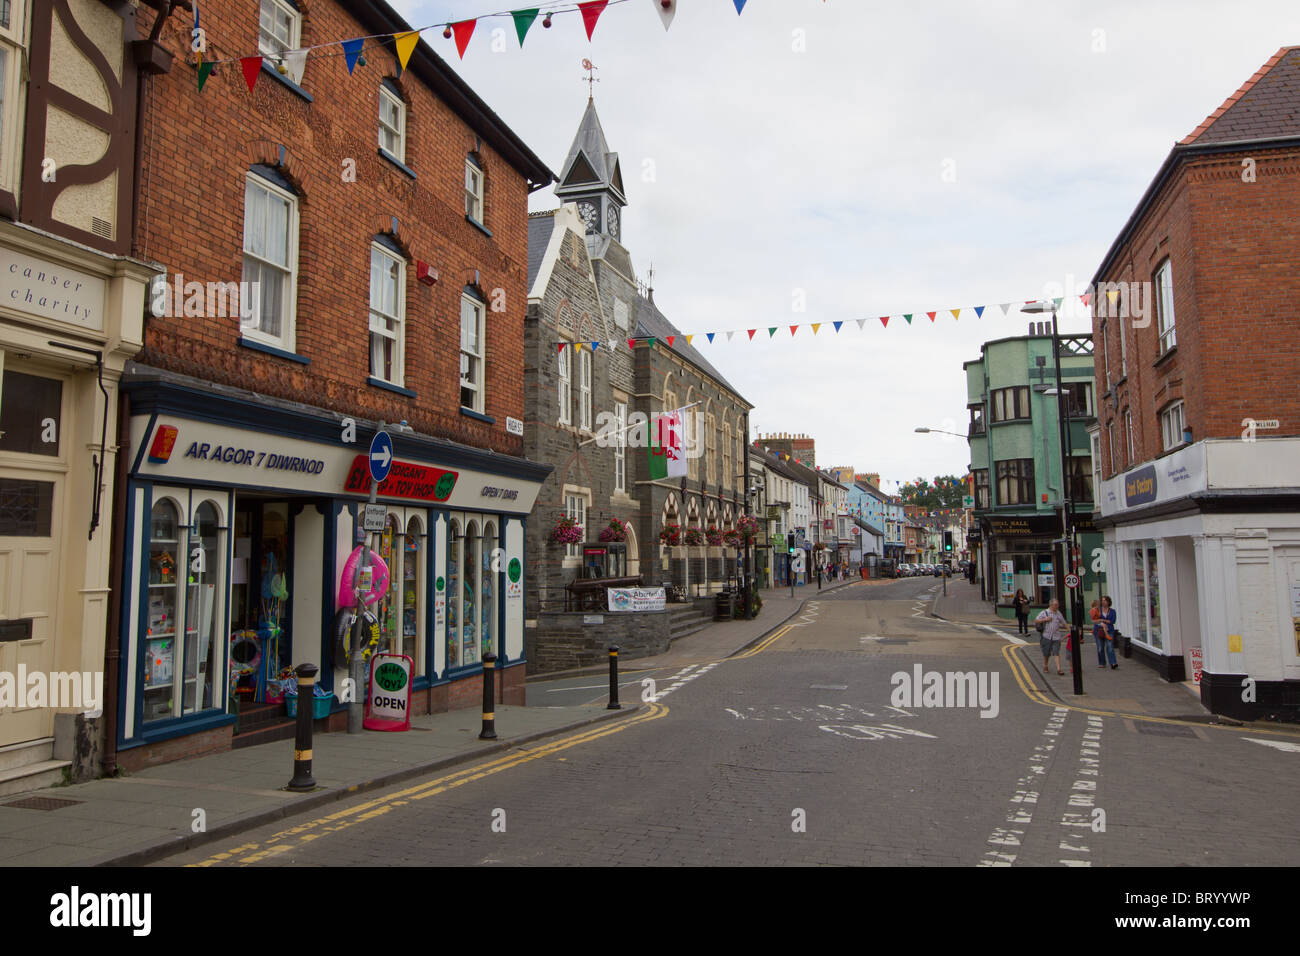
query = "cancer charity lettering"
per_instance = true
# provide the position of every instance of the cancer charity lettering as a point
(390, 693)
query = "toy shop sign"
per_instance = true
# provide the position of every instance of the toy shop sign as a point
(405, 480)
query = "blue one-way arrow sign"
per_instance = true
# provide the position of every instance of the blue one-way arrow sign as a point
(381, 456)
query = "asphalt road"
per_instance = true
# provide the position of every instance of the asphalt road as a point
(807, 749)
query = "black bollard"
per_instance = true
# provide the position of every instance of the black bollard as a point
(302, 779)
(613, 679)
(489, 717)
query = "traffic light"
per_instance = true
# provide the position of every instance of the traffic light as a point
(947, 541)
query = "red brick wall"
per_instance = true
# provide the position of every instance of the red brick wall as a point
(178, 748)
(1235, 257)
(197, 149)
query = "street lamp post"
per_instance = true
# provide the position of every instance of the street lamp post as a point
(1067, 511)
(927, 431)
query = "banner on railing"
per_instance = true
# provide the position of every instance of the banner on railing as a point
(636, 599)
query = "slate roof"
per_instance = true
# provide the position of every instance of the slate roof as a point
(867, 526)
(540, 227)
(651, 322)
(590, 142)
(1266, 107)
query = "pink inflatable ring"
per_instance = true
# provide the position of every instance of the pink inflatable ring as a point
(378, 584)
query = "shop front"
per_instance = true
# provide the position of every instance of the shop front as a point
(243, 519)
(1203, 552)
(70, 317)
(1021, 554)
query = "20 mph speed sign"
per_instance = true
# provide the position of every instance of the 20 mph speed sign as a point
(1071, 581)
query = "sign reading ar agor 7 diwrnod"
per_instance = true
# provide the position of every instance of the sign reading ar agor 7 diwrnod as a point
(636, 599)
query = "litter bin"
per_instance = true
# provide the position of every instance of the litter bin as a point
(724, 605)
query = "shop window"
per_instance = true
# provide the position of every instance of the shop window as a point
(455, 598)
(30, 414)
(469, 595)
(413, 577)
(489, 574)
(163, 601)
(202, 608)
(390, 605)
(1146, 626)
(261, 639)
(26, 508)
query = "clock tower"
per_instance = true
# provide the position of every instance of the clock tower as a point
(592, 179)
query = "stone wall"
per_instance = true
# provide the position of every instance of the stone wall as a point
(563, 641)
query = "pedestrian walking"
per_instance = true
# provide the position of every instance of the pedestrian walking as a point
(1053, 628)
(1106, 637)
(1021, 605)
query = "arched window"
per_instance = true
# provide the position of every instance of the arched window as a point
(490, 576)
(455, 577)
(469, 595)
(202, 608)
(413, 578)
(163, 606)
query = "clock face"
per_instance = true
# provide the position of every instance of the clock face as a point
(611, 214)
(590, 214)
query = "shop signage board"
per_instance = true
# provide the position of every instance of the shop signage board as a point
(1006, 575)
(404, 479)
(48, 290)
(389, 706)
(636, 599)
(514, 580)
(1197, 664)
(1027, 525)
(1174, 476)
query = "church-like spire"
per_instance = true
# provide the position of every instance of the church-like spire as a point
(592, 178)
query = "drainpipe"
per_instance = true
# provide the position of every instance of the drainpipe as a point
(116, 551)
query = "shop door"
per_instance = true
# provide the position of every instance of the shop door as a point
(29, 590)
(1291, 621)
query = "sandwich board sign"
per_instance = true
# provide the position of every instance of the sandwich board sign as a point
(388, 705)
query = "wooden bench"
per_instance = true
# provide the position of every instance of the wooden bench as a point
(589, 594)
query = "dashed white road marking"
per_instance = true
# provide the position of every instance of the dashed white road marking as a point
(685, 676)
(1021, 813)
(1278, 744)
(1082, 794)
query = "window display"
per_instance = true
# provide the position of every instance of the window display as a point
(1146, 595)
(160, 636)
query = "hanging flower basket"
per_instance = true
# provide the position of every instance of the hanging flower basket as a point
(671, 534)
(693, 537)
(614, 531)
(732, 538)
(567, 531)
(747, 527)
(713, 535)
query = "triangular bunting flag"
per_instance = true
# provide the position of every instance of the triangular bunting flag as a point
(666, 12)
(577, 346)
(931, 315)
(793, 330)
(296, 61)
(1112, 295)
(560, 346)
(594, 346)
(908, 317)
(463, 31)
(652, 341)
(730, 334)
(862, 324)
(689, 337)
(884, 320)
(591, 12)
(523, 20)
(670, 340)
(751, 333)
(815, 327)
(251, 65)
(1057, 302)
(771, 332)
(1006, 307)
(352, 50)
(711, 335)
(955, 314)
(204, 69)
(406, 45)
(837, 325)
(1086, 298)
(631, 344)
(740, 5)
(979, 311)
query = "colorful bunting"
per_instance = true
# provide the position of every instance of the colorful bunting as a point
(751, 334)
(730, 334)
(908, 317)
(591, 12)
(1005, 307)
(1057, 302)
(463, 31)
(815, 327)
(666, 12)
(1086, 298)
(688, 339)
(837, 325)
(862, 324)
(351, 50)
(594, 346)
(204, 69)
(931, 315)
(740, 5)
(523, 20)
(561, 346)
(252, 66)
(793, 330)
(670, 340)
(979, 311)
(631, 345)
(771, 332)
(884, 320)
(295, 61)
(406, 45)
(711, 335)
(954, 313)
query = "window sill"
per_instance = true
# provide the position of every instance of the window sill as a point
(389, 386)
(396, 162)
(478, 225)
(272, 350)
(1164, 357)
(478, 416)
(275, 75)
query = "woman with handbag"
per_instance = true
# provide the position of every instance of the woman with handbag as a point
(1105, 635)
(1020, 604)
(1052, 625)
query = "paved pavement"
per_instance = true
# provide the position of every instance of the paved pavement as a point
(137, 818)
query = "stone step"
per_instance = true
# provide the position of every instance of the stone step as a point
(32, 776)
(26, 753)
(678, 635)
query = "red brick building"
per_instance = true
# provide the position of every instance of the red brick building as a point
(341, 249)
(1197, 357)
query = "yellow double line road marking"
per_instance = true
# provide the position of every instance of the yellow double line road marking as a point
(764, 644)
(1020, 671)
(286, 840)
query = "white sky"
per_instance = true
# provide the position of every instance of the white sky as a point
(777, 170)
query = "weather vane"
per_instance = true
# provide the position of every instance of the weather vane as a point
(590, 78)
